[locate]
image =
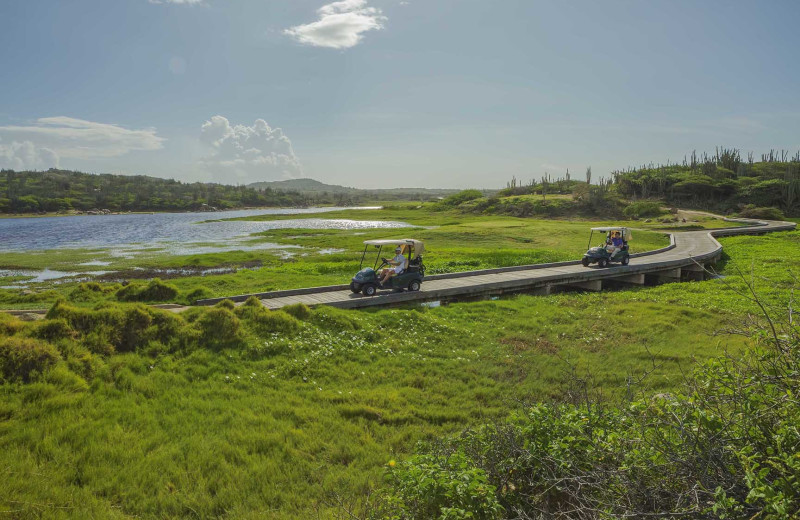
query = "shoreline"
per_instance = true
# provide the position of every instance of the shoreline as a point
(97, 214)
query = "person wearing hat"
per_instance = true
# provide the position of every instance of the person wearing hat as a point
(398, 264)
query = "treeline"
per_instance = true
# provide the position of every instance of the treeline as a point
(63, 190)
(723, 181)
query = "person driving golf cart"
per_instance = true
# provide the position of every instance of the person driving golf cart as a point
(615, 243)
(397, 265)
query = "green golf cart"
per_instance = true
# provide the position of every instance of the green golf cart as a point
(368, 279)
(607, 253)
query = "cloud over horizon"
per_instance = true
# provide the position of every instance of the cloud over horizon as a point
(340, 25)
(44, 143)
(245, 154)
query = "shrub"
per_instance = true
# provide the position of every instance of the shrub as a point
(763, 213)
(23, 358)
(9, 325)
(331, 318)
(643, 209)
(298, 310)
(441, 488)
(123, 328)
(264, 321)
(226, 304)
(89, 291)
(219, 328)
(154, 291)
(53, 330)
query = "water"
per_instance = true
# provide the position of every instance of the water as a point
(174, 232)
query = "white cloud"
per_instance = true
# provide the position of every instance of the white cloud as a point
(246, 154)
(27, 156)
(340, 25)
(54, 138)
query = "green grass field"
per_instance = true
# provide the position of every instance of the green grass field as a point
(159, 418)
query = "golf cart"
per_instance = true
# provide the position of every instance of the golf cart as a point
(368, 279)
(606, 253)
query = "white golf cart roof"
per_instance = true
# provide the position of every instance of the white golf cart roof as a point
(626, 232)
(417, 245)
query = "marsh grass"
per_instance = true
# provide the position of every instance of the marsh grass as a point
(177, 420)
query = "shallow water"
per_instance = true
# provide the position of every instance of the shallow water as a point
(170, 231)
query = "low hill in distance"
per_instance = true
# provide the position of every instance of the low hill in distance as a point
(311, 186)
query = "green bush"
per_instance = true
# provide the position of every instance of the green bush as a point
(441, 488)
(90, 291)
(219, 328)
(763, 213)
(643, 209)
(154, 291)
(53, 330)
(226, 304)
(331, 318)
(22, 358)
(298, 310)
(121, 328)
(263, 321)
(9, 325)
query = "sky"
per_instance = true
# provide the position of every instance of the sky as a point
(391, 93)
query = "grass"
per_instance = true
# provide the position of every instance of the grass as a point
(269, 425)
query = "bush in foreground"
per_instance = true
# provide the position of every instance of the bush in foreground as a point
(22, 358)
(727, 446)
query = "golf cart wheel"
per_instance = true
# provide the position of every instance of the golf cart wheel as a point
(585, 261)
(369, 290)
(626, 260)
(414, 286)
(602, 262)
(355, 287)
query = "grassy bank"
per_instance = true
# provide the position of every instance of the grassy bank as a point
(175, 421)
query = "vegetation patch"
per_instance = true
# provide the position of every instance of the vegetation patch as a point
(154, 291)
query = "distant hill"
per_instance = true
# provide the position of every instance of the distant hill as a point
(302, 185)
(314, 187)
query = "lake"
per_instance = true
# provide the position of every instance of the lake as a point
(174, 232)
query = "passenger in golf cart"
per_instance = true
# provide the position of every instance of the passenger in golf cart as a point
(404, 271)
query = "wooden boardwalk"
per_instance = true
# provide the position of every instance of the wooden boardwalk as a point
(686, 257)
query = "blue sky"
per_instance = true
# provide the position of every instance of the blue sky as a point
(370, 93)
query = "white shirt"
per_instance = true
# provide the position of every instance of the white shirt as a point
(400, 260)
